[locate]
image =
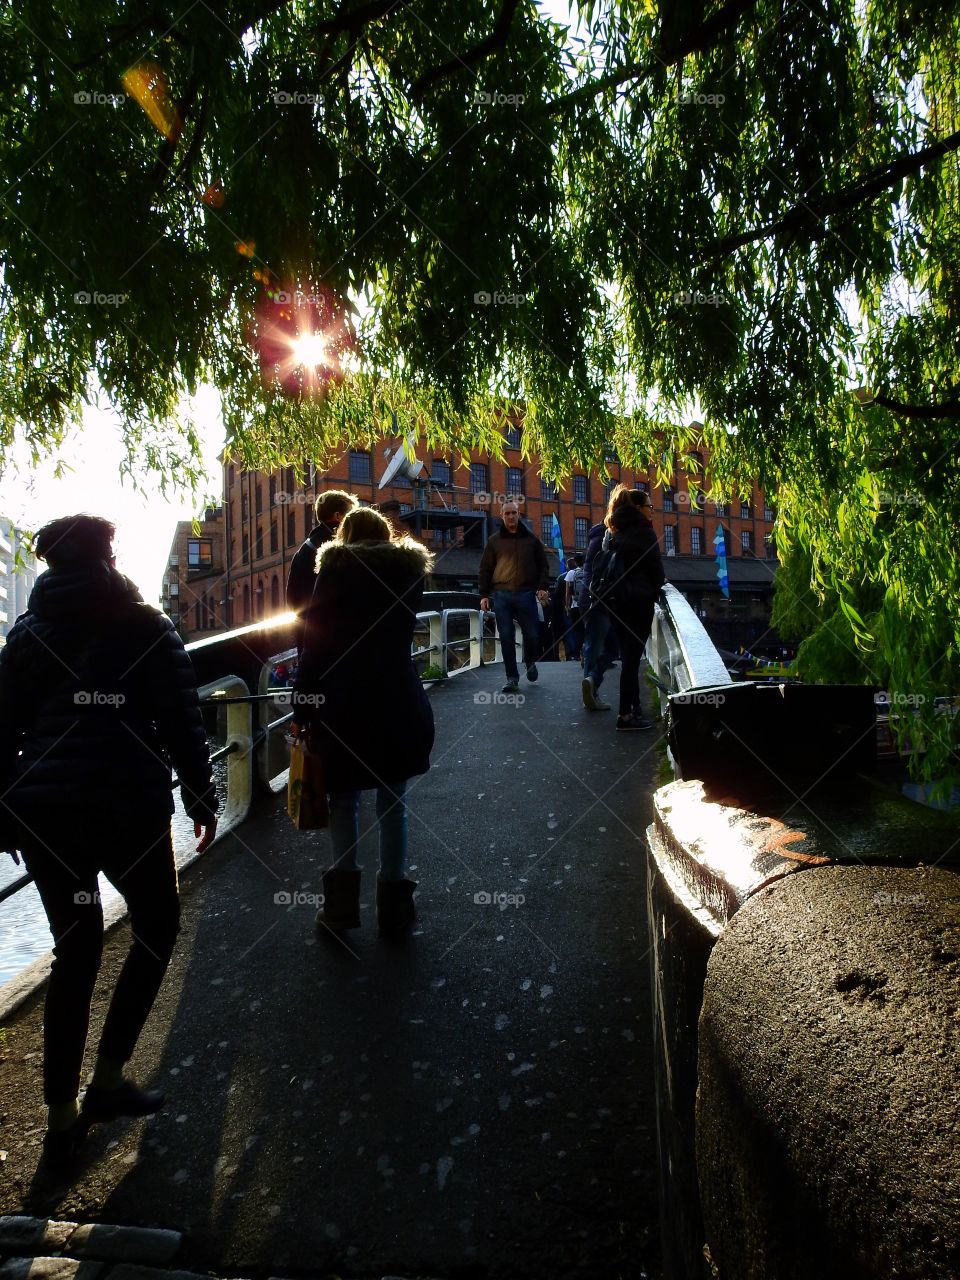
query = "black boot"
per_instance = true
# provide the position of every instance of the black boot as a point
(341, 899)
(395, 910)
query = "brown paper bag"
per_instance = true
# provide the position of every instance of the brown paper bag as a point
(306, 793)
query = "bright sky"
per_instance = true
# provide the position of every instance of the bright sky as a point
(145, 520)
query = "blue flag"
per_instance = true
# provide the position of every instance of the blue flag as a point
(721, 549)
(557, 539)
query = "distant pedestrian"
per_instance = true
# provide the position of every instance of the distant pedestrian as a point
(573, 586)
(392, 510)
(630, 603)
(359, 697)
(97, 698)
(329, 509)
(514, 568)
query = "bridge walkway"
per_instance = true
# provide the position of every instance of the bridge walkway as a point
(477, 1103)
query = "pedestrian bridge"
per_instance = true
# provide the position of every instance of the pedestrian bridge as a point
(476, 1103)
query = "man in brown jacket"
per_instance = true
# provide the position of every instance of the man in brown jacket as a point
(514, 568)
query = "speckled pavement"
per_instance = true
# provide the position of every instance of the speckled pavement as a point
(476, 1103)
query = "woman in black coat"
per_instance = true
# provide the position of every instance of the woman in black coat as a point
(97, 699)
(360, 697)
(630, 605)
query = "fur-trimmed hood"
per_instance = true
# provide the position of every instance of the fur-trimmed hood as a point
(385, 559)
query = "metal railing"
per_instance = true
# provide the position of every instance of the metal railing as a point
(679, 650)
(256, 749)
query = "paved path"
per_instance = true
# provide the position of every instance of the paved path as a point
(478, 1103)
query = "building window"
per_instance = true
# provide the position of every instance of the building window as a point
(291, 526)
(274, 537)
(197, 616)
(610, 454)
(768, 513)
(261, 603)
(721, 508)
(199, 553)
(548, 491)
(275, 593)
(608, 488)
(696, 541)
(581, 489)
(512, 437)
(668, 498)
(246, 602)
(670, 539)
(308, 515)
(745, 512)
(479, 478)
(546, 530)
(746, 541)
(244, 505)
(440, 471)
(581, 533)
(259, 496)
(245, 556)
(359, 466)
(273, 491)
(770, 546)
(514, 482)
(258, 546)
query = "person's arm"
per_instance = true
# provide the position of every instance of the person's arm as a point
(172, 685)
(651, 565)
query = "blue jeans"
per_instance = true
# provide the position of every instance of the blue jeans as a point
(391, 821)
(519, 606)
(599, 644)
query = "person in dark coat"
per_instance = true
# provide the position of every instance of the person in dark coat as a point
(631, 534)
(361, 701)
(329, 509)
(97, 698)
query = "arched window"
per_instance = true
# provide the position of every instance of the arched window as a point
(261, 598)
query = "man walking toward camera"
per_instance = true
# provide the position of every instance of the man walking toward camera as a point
(97, 699)
(514, 572)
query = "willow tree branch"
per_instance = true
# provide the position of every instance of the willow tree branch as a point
(497, 39)
(699, 40)
(807, 218)
(945, 409)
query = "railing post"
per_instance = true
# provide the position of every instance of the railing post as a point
(239, 762)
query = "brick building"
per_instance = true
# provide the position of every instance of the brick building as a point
(18, 573)
(192, 590)
(454, 510)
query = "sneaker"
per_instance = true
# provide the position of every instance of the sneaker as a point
(511, 686)
(589, 693)
(630, 724)
(532, 673)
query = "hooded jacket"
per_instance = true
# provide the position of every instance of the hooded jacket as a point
(98, 698)
(357, 687)
(515, 557)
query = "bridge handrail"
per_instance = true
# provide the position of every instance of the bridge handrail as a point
(248, 745)
(679, 650)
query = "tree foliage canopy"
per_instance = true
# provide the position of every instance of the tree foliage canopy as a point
(745, 211)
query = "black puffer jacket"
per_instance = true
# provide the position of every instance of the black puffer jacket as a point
(97, 699)
(358, 688)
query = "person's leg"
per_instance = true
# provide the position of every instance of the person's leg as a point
(147, 878)
(392, 819)
(71, 900)
(525, 605)
(341, 882)
(631, 651)
(503, 608)
(602, 655)
(344, 828)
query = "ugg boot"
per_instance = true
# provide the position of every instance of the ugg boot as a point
(395, 910)
(341, 899)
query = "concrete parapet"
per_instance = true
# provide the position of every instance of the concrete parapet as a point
(828, 1109)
